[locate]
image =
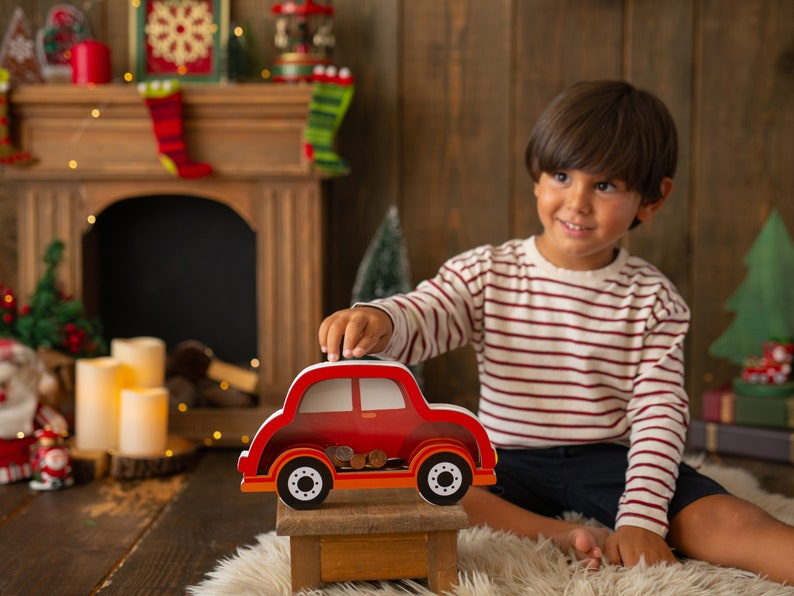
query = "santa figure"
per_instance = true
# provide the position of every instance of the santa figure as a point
(23, 380)
(51, 462)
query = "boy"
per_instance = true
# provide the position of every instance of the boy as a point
(580, 353)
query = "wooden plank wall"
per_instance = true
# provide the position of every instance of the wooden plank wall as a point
(447, 92)
(471, 77)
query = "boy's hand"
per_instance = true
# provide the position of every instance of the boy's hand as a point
(628, 543)
(363, 330)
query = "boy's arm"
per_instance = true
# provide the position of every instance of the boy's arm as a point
(658, 415)
(434, 318)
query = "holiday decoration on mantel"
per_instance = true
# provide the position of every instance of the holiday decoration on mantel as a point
(178, 39)
(9, 155)
(763, 303)
(64, 27)
(330, 100)
(304, 37)
(18, 52)
(164, 100)
(51, 319)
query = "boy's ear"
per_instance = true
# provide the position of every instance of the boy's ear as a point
(647, 210)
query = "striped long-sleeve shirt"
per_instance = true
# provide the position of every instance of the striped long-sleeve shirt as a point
(564, 357)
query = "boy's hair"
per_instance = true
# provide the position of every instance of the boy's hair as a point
(609, 128)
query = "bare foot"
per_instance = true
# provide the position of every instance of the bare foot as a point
(586, 543)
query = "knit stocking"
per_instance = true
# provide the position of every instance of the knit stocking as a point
(9, 154)
(330, 100)
(164, 100)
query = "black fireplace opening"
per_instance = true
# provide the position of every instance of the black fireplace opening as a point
(175, 267)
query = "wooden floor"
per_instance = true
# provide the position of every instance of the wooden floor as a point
(156, 536)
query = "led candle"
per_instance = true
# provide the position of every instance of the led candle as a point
(143, 430)
(142, 361)
(97, 386)
(90, 62)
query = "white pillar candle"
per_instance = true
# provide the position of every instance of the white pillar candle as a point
(96, 417)
(143, 427)
(142, 361)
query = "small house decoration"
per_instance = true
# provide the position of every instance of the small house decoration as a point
(304, 38)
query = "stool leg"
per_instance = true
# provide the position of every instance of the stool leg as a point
(442, 560)
(304, 554)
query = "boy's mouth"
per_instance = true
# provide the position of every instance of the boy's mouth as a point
(573, 226)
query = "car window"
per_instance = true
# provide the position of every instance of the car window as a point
(331, 395)
(380, 394)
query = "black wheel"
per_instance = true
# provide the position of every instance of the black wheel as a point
(444, 478)
(304, 483)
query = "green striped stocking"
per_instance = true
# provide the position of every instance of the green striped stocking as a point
(330, 100)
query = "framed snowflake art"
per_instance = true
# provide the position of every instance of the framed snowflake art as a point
(178, 39)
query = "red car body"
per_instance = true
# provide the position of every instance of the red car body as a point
(366, 405)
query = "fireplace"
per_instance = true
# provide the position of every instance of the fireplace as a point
(96, 151)
(174, 267)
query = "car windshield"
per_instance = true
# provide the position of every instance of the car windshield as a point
(332, 395)
(380, 394)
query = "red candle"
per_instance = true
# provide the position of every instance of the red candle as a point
(90, 63)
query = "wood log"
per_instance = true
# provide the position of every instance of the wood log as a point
(245, 380)
(190, 359)
(88, 466)
(180, 455)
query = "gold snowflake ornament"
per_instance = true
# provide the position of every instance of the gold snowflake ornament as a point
(180, 32)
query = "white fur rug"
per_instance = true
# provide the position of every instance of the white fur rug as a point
(499, 564)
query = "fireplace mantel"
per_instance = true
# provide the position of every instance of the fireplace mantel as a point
(95, 146)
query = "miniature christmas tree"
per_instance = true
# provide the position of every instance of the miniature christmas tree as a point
(384, 270)
(763, 303)
(51, 319)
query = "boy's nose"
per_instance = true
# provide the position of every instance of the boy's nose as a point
(578, 199)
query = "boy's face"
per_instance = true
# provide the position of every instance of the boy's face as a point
(583, 216)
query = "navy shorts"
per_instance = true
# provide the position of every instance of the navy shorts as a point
(588, 479)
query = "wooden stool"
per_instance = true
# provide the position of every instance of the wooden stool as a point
(373, 534)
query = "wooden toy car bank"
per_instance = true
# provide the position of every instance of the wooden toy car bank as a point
(365, 424)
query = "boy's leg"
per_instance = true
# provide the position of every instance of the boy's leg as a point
(729, 531)
(487, 509)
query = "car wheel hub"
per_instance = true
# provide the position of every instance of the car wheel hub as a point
(305, 483)
(444, 478)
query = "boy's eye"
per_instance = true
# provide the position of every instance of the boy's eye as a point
(605, 186)
(560, 176)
